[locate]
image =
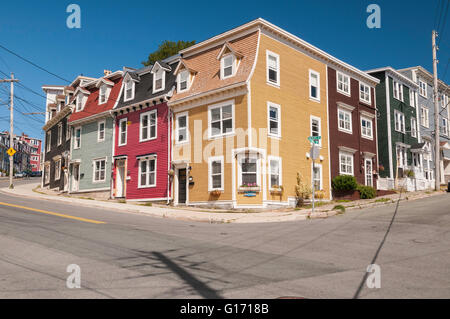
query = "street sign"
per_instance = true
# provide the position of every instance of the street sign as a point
(11, 151)
(314, 139)
(314, 152)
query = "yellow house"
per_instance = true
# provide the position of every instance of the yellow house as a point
(245, 103)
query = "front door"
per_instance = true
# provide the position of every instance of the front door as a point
(368, 169)
(120, 179)
(182, 186)
(75, 177)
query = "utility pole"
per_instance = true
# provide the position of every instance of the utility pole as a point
(11, 133)
(437, 161)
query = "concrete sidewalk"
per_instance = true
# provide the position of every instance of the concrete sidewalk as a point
(214, 216)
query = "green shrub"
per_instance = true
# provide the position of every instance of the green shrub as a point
(340, 208)
(344, 183)
(366, 192)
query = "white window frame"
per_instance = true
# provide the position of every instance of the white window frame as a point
(99, 123)
(445, 126)
(311, 118)
(412, 97)
(222, 66)
(366, 174)
(277, 57)
(80, 103)
(363, 92)
(369, 120)
(426, 117)
(312, 72)
(413, 127)
(402, 128)
(107, 90)
(271, 158)
(402, 160)
(140, 185)
(57, 168)
(129, 80)
(210, 175)
(233, 116)
(94, 162)
(344, 76)
(177, 135)
(47, 173)
(149, 114)
(258, 169)
(278, 107)
(179, 90)
(75, 146)
(49, 141)
(343, 129)
(423, 88)
(347, 154)
(398, 90)
(319, 166)
(59, 139)
(161, 72)
(120, 132)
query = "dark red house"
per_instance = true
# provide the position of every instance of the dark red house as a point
(352, 124)
(142, 133)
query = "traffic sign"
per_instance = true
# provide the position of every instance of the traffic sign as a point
(314, 139)
(11, 151)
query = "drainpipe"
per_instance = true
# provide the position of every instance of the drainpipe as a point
(111, 182)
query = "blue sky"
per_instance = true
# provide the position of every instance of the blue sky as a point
(114, 34)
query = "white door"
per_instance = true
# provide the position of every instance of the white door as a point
(75, 177)
(368, 171)
(120, 179)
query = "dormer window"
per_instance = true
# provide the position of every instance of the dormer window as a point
(79, 102)
(103, 91)
(129, 90)
(227, 66)
(158, 80)
(183, 81)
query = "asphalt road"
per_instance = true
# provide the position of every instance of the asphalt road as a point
(136, 256)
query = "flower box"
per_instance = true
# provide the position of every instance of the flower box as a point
(243, 188)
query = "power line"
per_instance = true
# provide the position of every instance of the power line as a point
(441, 32)
(34, 64)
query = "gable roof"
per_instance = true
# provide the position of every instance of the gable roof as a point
(185, 64)
(395, 74)
(143, 91)
(92, 109)
(228, 46)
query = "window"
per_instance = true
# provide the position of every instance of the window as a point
(183, 79)
(57, 169)
(444, 101)
(221, 119)
(366, 128)
(402, 159)
(249, 171)
(413, 127)
(274, 171)
(343, 83)
(181, 128)
(364, 93)
(444, 128)
(147, 172)
(216, 173)
(398, 91)
(345, 163)
(412, 98)
(317, 177)
(148, 126)
(129, 90)
(59, 133)
(227, 66)
(423, 89)
(99, 170)
(101, 131)
(424, 118)
(123, 132)
(158, 80)
(49, 140)
(399, 118)
(368, 172)
(77, 142)
(345, 121)
(47, 173)
(314, 85)
(103, 94)
(67, 131)
(274, 119)
(273, 68)
(79, 102)
(316, 127)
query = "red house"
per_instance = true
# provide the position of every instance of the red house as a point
(142, 133)
(35, 156)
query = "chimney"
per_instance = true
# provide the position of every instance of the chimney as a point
(107, 72)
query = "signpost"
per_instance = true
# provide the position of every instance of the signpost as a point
(314, 153)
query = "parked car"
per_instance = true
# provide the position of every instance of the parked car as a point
(35, 174)
(20, 174)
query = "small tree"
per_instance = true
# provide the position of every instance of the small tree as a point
(167, 49)
(302, 190)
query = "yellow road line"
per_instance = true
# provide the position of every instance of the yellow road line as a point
(54, 214)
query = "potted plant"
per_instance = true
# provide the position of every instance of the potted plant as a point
(277, 189)
(249, 187)
(171, 172)
(215, 192)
